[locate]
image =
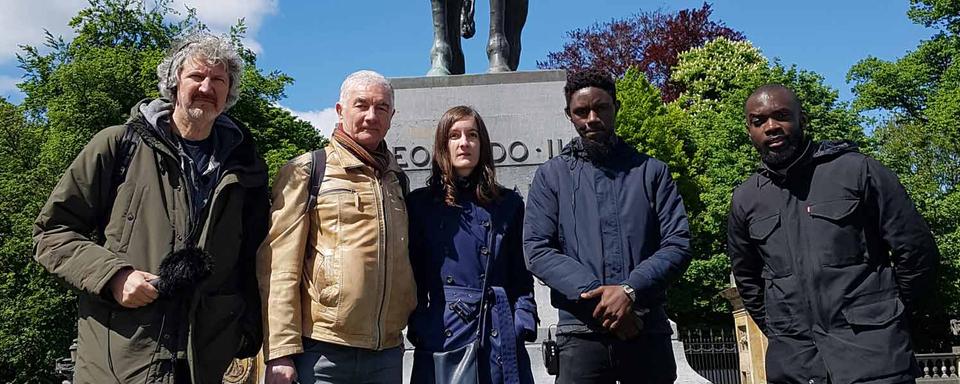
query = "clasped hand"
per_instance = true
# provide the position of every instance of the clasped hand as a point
(614, 311)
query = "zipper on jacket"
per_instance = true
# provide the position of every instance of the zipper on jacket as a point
(382, 256)
(802, 266)
(356, 195)
(332, 191)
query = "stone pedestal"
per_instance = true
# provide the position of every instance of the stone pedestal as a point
(523, 112)
(751, 342)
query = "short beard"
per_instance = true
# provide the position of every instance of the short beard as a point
(779, 159)
(598, 150)
(195, 113)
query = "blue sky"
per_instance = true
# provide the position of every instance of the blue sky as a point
(320, 42)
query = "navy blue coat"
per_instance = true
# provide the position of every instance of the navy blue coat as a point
(449, 247)
(588, 225)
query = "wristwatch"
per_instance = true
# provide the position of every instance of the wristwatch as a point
(629, 291)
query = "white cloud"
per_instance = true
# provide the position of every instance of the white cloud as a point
(22, 23)
(220, 15)
(8, 88)
(323, 120)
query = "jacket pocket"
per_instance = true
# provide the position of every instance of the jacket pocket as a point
(782, 297)
(772, 245)
(325, 278)
(334, 191)
(130, 218)
(782, 326)
(876, 314)
(839, 236)
(132, 341)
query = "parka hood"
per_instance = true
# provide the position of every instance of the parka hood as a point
(234, 144)
(813, 152)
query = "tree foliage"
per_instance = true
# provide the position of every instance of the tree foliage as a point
(649, 41)
(73, 89)
(654, 128)
(936, 13)
(919, 96)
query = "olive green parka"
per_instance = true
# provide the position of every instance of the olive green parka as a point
(90, 228)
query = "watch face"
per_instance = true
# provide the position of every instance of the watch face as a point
(629, 291)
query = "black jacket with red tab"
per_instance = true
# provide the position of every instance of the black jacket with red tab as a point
(828, 255)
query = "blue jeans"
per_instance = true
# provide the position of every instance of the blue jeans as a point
(328, 363)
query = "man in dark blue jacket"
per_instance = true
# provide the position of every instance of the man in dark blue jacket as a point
(606, 230)
(828, 252)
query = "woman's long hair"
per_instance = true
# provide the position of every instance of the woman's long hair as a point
(443, 178)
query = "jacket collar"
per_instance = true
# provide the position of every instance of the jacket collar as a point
(574, 152)
(813, 153)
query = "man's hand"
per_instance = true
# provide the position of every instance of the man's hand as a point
(613, 307)
(280, 371)
(131, 288)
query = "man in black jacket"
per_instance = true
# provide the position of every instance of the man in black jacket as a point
(828, 253)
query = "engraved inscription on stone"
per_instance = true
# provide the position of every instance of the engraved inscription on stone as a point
(523, 112)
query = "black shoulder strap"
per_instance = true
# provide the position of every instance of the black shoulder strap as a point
(317, 171)
(404, 182)
(128, 145)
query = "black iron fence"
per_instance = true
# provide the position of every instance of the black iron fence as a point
(713, 354)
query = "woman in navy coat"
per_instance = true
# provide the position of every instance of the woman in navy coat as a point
(459, 221)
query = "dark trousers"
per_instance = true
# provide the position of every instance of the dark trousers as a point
(181, 373)
(329, 363)
(604, 359)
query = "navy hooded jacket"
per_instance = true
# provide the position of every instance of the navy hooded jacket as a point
(622, 222)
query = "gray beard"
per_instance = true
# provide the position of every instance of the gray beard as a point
(196, 113)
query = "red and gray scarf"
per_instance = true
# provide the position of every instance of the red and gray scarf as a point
(378, 159)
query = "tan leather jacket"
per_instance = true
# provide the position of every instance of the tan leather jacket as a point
(340, 273)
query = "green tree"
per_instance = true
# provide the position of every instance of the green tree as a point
(72, 91)
(33, 330)
(918, 98)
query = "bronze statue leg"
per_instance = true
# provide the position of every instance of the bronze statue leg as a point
(446, 55)
(507, 18)
(498, 47)
(516, 18)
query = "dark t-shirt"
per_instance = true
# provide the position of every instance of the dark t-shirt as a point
(199, 152)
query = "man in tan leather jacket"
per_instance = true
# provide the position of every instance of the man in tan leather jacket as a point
(335, 279)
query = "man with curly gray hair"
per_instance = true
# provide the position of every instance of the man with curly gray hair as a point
(177, 198)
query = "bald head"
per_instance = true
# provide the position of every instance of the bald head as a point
(775, 90)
